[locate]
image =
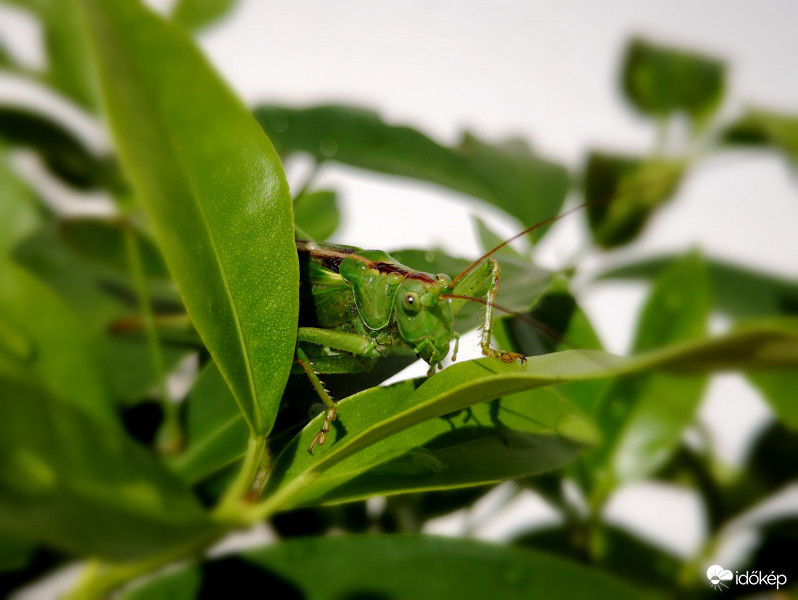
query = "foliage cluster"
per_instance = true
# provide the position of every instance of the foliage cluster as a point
(98, 460)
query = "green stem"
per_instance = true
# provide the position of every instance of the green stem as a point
(169, 437)
(256, 461)
(99, 580)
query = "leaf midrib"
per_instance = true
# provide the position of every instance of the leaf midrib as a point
(173, 148)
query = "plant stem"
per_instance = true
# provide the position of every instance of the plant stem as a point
(170, 436)
(256, 461)
(99, 579)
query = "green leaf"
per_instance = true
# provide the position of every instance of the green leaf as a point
(660, 81)
(103, 240)
(216, 435)
(14, 553)
(371, 428)
(764, 127)
(560, 325)
(617, 552)
(507, 175)
(643, 418)
(773, 459)
(316, 214)
(68, 482)
(401, 567)
(488, 240)
(624, 193)
(61, 151)
(19, 208)
(183, 583)
(215, 192)
(101, 297)
(197, 14)
(67, 53)
(737, 291)
(778, 389)
(40, 336)
(7, 59)
(515, 436)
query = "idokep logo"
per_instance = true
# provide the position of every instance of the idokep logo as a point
(717, 575)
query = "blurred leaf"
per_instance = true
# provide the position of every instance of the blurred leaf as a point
(198, 14)
(60, 150)
(659, 81)
(19, 209)
(100, 295)
(617, 552)
(541, 330)
(774, 456)
(506, 175)
(67, 53)
(129, 367)
(625, 555)
(560, 324)
(78, 280)
(523, 283)
(625, 192)
(67, 482)
(316, 214)
(677, 308)
(40, 336)
(738, 291)
(14, 553)
(183, 583)
(773, 545)
(103, 240)
(488, 240)
(216, 434)
(763, 127)
(778, 388)
(7, 60)
(215, 192)
(643, 418)
(398, 567)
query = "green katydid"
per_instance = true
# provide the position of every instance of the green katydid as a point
(359, 304)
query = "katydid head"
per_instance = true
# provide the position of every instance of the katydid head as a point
(425, 320)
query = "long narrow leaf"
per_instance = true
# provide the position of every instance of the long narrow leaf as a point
(376, 416)
(215, 192)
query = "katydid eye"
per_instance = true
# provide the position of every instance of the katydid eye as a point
(411, 303)
(443, 280)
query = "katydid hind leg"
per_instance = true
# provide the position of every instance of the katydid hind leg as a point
(331, 410)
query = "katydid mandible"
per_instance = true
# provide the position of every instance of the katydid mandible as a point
(359, 304)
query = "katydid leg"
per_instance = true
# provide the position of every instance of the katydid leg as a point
(353, 343)
(359, 346)
(329, 403)
(484, 281)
